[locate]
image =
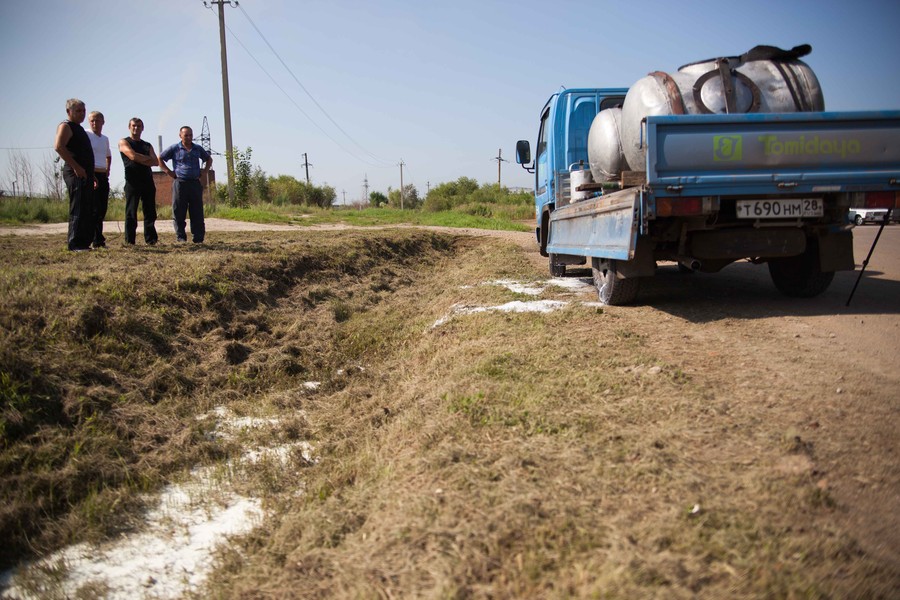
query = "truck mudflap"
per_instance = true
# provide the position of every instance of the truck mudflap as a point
(603, 227)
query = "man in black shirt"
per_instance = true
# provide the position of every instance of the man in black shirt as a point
(138, 156)
(74, 147)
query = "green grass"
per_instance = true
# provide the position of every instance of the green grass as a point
(16, 211)
(368, 217)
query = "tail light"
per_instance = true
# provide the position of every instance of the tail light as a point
(679, 207)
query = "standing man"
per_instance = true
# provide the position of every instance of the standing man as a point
(102, 162)
(187, 191)
(74, 147)
(138, 156)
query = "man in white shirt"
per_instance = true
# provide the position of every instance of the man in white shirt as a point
(102, 162)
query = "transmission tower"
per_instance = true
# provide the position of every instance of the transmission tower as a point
(205, 141)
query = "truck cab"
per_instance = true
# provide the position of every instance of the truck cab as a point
(562, 145)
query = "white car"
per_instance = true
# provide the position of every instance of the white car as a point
(867, 215)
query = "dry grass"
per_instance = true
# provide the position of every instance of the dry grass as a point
(581, 453)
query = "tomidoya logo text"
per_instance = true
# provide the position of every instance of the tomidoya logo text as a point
(814, 146)
(727, 147)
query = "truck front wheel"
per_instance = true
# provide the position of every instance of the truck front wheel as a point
(556, 269)
(612, 289)
(799, 276)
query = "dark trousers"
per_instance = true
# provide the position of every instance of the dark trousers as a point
(81, 210)
(101, 203)
(187, 199)
(143, 192)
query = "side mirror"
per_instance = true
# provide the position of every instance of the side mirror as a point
(523, 152)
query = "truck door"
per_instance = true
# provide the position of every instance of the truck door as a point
(543, 187)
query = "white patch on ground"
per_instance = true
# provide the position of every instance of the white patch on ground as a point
(312, 385)
(569, 284)
(173, 555)
(536, 288)
(539, 306)
(573, 284)
(281, 454)
(530, 289)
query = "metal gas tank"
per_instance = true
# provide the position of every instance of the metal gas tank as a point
(605, 155)
(766, 79)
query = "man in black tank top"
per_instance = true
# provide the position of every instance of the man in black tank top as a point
(74, 147)
(138, 156)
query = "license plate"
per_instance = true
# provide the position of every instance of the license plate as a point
(784, 208)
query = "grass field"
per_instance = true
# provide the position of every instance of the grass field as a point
(16, 211)
(486, 455)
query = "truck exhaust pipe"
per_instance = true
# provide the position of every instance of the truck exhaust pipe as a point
(690, 263)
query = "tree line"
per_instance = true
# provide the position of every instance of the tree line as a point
(253, 186)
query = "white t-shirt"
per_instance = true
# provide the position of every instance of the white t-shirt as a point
(100, 144)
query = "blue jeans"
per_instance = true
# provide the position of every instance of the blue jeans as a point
(187, 199)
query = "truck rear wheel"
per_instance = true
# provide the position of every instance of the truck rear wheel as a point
(799, 276)
(612, 289)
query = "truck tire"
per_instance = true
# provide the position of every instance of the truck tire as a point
(611, 289)
(556, 270)
(799, 276)
(858, 220)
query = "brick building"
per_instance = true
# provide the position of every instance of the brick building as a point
(164, 187)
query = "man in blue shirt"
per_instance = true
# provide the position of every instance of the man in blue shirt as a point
(187, 191)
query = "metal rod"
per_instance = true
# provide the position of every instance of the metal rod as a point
(884, 222)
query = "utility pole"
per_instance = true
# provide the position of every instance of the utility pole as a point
(499, 158)
(229, 149)
(366, 188)
(307, 165)
(401, 183)
(344, 193)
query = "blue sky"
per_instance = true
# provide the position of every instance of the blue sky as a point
(440, 85)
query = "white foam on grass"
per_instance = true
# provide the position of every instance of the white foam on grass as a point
(536, 288)
(173, 553)
(172, 556)
(517, 306)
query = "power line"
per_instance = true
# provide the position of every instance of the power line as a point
(316, 102)
(298, 107)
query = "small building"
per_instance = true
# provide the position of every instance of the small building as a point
(164, 187)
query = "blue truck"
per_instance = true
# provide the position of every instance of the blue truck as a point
(772, 188)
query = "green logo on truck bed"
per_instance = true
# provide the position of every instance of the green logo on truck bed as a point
(802, 145)
(727, 148)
